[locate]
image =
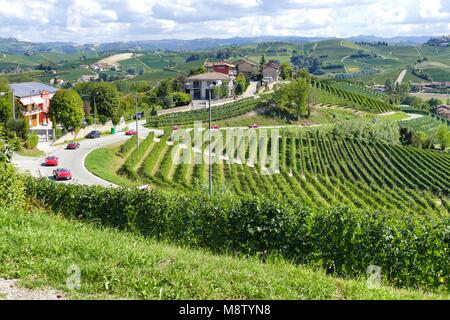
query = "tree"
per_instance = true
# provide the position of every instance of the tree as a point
(286, 71)
(5, 102)
(262, 62)
(292, 98)
(241, 83)
(443, 136)
(106, 100)
(67, 109)
(389, 86)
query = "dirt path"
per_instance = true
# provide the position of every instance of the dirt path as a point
(114, 59)
(400, 78)
(10, 290)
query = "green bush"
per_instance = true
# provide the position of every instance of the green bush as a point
(32, 141)
(181, 99)
(103, 119)
(11, 186)
(18, 127)
(412, 250)
(89, 120)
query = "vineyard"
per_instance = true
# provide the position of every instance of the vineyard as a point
(317, 167)
(354, 96)
(428, 124)
(226, 111)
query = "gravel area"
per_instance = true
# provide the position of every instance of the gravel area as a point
(10, 290)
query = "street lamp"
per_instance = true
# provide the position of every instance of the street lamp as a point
(95, 107)
(137, 121)
(13, 101)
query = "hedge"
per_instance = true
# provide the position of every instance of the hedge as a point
(412, 250)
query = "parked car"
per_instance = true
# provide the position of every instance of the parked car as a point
(175, 128)
(93, 134)
(253, 126)
(215, 127)
(73, 146)
(62, 174)
(144, 187)
(51, 161)
(130, 132)
(139, 116)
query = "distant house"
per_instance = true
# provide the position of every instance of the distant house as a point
(56, 81)
(223, 67)
(271, 72)
(88, 78)
(247, 67)
(443, 111)
(198, 86)
(35, 99)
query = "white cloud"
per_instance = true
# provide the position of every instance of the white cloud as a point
(117, 20)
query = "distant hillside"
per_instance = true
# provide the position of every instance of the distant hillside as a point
(14, 46)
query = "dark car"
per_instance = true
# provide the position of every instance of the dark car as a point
(62, 174)
(93, 134)
(73, 146)
(139, 116)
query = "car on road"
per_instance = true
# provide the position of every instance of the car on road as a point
(130, 132)
(93, 134)
(51, 161)
(175, 128)
(73, 146)
(62, 174)
(138, 116)
(253, 126)
(215, 127)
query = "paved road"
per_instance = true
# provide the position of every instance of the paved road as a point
(74, 159)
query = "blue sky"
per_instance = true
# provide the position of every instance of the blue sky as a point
(96, 21)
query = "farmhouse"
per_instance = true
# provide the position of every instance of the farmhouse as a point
(271, 71)
(246, 67)
(198, 86)
(223, 67)
(35, 100)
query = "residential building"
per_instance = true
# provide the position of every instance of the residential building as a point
(198, 86)
(35, 99)
(223, 67)
(246, 67)
(271, 71)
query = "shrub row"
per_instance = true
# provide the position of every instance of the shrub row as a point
(412, 250)
(226, 111)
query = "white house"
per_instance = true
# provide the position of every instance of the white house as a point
(198, 86)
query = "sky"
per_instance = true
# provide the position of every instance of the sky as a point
(95, 21)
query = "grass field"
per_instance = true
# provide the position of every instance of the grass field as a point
(38, 247)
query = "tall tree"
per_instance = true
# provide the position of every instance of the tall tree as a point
(106, 100)
(262, 62)
(286, 71)
(5, 102)
(67, 109)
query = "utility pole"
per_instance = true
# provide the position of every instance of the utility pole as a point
(209, 145)
(13, 104)
(95, 108)
(137, 122)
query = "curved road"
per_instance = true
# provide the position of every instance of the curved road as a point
(74, 159)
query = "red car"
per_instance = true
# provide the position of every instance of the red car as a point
(175, 128)
(253, 126)
(73, 146)
(215, 127)
(51, 161)
(62, 174)
(130, 132)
